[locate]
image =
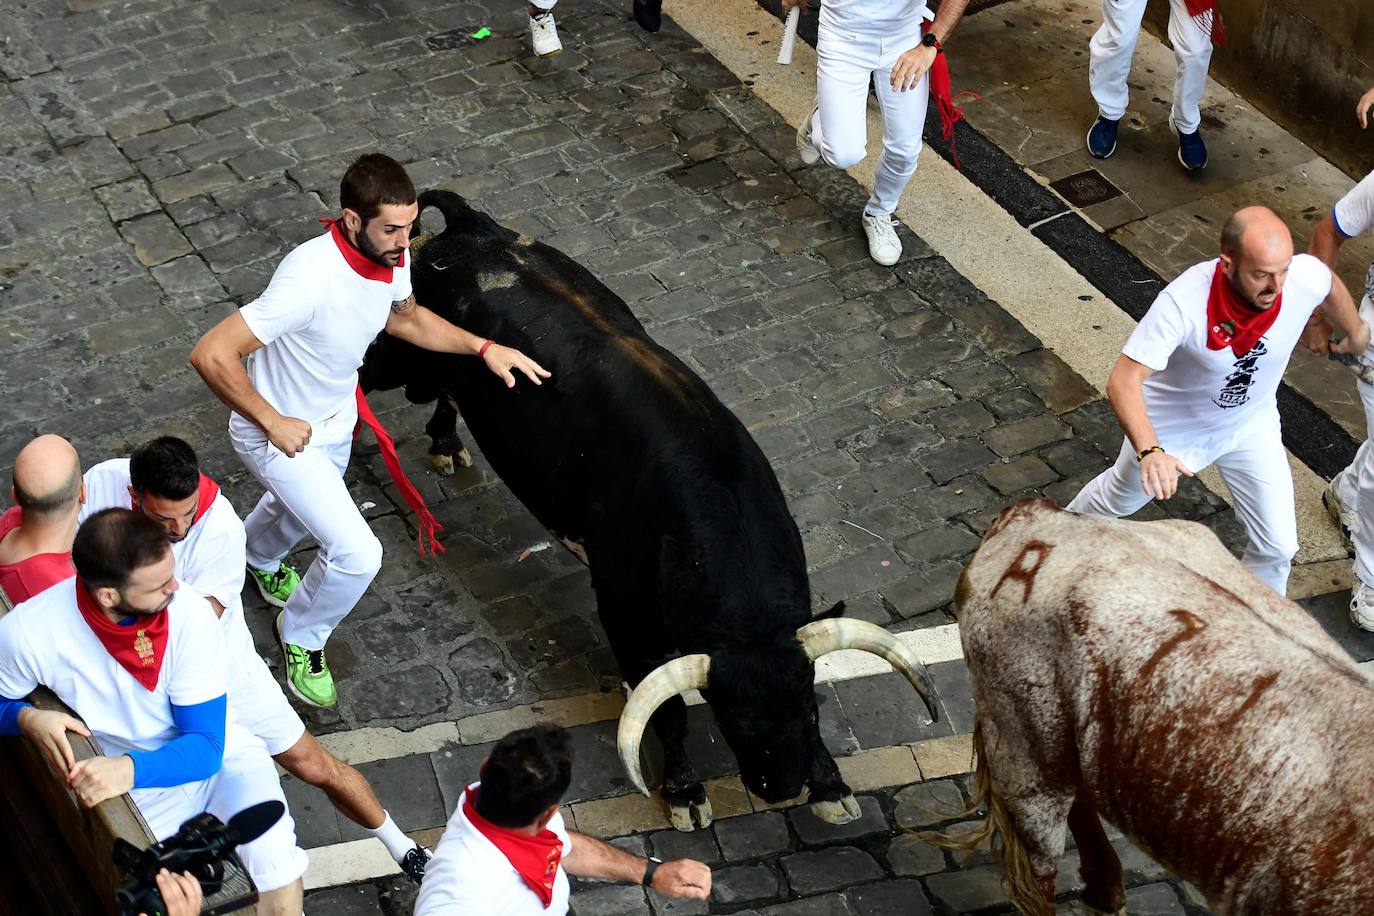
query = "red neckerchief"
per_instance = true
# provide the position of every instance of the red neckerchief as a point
(942, 89)
(207, 491)
(425, 521)
(1233, 322)
(1208, 18)
(535, 858)
(362, 265)
(139, 648)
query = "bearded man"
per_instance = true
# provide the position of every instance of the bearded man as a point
(1197, 384)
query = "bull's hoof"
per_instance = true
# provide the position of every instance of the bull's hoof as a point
(443, 464)
(689, 816)
(844, 811)
(464, 458)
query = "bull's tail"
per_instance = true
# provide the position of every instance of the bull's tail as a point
(1018, 877)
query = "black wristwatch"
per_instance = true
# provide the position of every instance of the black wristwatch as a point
(649, 869)
(930, 41)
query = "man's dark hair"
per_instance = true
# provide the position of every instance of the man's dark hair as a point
(372, 180)
(112, 543)
(527, 772)
(165, 467)
(35, 504)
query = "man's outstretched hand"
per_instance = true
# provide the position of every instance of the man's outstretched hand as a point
(506, 361)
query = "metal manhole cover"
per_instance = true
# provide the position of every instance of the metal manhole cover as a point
(1086, 188)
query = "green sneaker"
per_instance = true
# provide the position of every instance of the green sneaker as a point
(276, 587)
(307, 671)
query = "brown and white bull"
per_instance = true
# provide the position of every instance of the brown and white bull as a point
(1135, 670)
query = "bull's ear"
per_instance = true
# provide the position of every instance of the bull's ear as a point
(833, 613)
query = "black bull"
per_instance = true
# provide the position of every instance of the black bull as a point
(628, 457)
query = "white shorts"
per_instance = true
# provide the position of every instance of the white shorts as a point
(246, 778)
(260, 705)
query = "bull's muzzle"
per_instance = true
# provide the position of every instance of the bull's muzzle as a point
(693, 672)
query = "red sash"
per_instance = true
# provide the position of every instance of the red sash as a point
(942, 89)
(425, 521)
(1233, 322)
(139, 648)
(1208, 18)
(362, 265)
(535, 858)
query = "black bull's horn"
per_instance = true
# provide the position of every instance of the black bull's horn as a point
(692, 672)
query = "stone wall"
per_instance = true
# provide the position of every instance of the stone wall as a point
(1304, 63)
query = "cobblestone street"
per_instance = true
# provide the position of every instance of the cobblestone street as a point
(163, 155)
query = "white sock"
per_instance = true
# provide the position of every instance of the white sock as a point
(396, 842)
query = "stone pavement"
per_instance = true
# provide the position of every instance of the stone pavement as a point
(164, 155)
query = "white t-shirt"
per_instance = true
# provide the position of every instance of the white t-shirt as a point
(46, 641)
(469, 875)
(315, 321)
(888, 17)
(1354, 215)
(1199, 395)
(209, 560)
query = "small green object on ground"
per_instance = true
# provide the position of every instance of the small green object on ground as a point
(481, 33)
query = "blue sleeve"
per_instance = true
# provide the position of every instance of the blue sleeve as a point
(9, 716)
(193, 755)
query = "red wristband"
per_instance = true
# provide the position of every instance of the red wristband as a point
(482, 350)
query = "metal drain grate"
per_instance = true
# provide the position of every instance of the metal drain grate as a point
(1086, 188)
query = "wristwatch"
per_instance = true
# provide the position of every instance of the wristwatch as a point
(930, 41)
(649, 869)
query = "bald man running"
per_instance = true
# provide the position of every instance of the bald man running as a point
(1197, 384)
(36, 533)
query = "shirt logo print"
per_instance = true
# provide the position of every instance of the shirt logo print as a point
(1235, 388)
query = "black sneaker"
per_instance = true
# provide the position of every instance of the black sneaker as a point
(649, 14)
(414, 863)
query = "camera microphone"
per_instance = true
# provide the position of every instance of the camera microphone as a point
(251, 823)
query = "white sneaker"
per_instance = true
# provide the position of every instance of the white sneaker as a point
(806, 147)
(544, 35)
(883, 244)
(1340, 513)
(1362, 605)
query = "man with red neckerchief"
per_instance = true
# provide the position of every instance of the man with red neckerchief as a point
(142, 664)
(163, 481)
(296, 405)
(36, 532)
(1197, 384)
(505, 851)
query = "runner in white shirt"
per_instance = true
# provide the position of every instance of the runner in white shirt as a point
(506, 851)
(895, 45)
(142, 665)
(1197, 384)
(163, 481)
(295, 407)
(1349, 498)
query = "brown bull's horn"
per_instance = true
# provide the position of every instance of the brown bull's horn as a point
(690, 672)
(823, 636)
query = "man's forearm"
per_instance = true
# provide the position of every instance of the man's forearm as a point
(951, 11)
(592, 858)
(1340, 308)
(1326, 242)
(423, 328)
(225, 375)
(1128, 401)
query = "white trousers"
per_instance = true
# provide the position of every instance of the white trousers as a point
(1261, 484)
(543, 4)
(246, 778)
(261, 707)
(1355, 485)
(307, 495)
(1114, 45)
(848, 62)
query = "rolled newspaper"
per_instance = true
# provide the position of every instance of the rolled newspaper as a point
(1356, 364)
(789, 36)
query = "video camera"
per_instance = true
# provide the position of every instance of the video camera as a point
(204, 846)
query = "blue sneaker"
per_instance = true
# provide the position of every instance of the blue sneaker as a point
(1102, 137)
(1192, 152)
